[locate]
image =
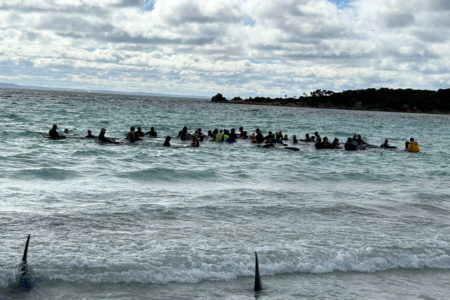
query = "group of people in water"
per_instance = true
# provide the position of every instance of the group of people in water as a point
(231, 136)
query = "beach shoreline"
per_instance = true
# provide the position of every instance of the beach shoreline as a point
(433, 112)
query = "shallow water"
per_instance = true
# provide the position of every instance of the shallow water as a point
(143, 221)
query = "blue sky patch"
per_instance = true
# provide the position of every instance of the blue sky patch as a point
(248, 21)
(341, 3)
(149, 4)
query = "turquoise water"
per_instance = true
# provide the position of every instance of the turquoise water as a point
(144, 221)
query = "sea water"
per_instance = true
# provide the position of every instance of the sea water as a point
(141, 221)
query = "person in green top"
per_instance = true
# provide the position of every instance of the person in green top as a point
(385, 145)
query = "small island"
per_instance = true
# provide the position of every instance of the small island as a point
(383, 99)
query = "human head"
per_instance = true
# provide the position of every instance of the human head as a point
(103, 130)
(386, 141)
(132, 128)
(139, 129)
(313, 138)
(316, 133)
(307, 135)
(152, 128)
(411, 139)
(241, 129)
(55, 126)
(66, 130)
(89, 132)
(349, 140)
(168, 138)
(359, 136)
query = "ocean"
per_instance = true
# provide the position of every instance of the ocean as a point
(142, 221)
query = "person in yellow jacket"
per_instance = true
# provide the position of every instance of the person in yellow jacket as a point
(413, 146)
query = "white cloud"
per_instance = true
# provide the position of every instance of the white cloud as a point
(235, 47)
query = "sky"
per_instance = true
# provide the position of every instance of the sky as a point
(234, 47)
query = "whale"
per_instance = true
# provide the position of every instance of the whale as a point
(258, 284)
(24, 279)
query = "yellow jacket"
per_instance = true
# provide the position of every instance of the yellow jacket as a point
(413, 147)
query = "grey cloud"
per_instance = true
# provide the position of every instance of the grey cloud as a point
(73, 24)
(430, 36)
(399, 20)
(125, 3)
(124, 38)
(439, 5)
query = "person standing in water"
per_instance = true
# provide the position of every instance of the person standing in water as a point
(90, 136)
(152, 132)
(167, 141)
(54, 134)
(259, 137)
(195, 142)
(139, 132)
(102, 138)
(130, 135)
(413, 146)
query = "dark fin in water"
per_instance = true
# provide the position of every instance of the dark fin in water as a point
(24, 269)
(258, 284)
(24, 258)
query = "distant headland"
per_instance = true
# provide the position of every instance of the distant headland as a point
(383, 99)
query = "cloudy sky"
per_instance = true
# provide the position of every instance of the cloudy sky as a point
(236, 47)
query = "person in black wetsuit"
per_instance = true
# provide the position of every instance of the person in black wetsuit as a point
(335, 143)
(241, 131)
(294, 139)
(316, 134)
(152, 132)
(139, 132)
(233, 134)
(101, 137)
(210, 134)
(307, 138)
(54, 134)
(243, 135)
(327, 144)
(269, 136)
(360, 140)
(350, 145)
(90, 136)
(319, 144)
(259, 137)
(167, 141)
(131, 135)
(286, 138)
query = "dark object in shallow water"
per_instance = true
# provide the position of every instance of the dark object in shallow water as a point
(292, 148)
(258, 284)
(24, 279)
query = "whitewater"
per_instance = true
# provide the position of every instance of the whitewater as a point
(139, 220)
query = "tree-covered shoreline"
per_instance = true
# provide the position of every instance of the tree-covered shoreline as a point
(383, 99)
